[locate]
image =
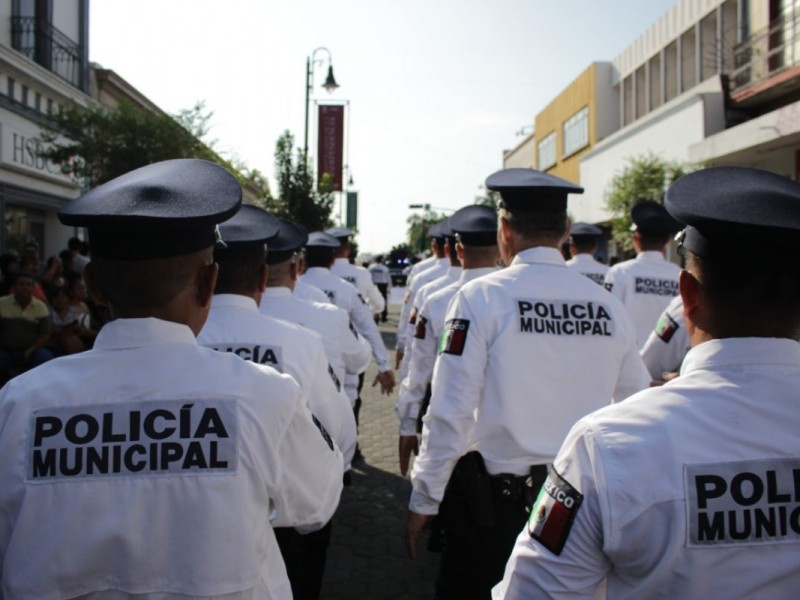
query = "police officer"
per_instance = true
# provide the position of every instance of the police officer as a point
(668, 343)
(150, 465)
(438, 268)
(503, 388)
(356, 275)
(320, 250)
(236, 325)
(719, 520)
(582, 246)
(347, 351)
(647, 283)
(382, 279)
(475, 229)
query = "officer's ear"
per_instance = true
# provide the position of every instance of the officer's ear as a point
(691, 294)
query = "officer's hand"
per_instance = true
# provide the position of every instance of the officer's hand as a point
(398, 358)
(407, 445)
(415, 523)
(386, 379)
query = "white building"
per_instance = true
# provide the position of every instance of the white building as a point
(43, 64)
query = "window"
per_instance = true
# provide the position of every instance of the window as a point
(576, 131)
(11, 90)
(547, 151)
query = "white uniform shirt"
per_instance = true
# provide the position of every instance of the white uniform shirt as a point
(645, 285)
(434, 272)
(360, 278)
(450, 276)
(380, 274)
(347, 351)
(346, 296)
(690, 490)
(235, 325)
(513, 375)
(424, 264)
(668, 343)
(586, 265)
(311, 293)
(207, 445)
(429, 325)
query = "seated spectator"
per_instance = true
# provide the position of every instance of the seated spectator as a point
(54, 275)
(28, 265)
(24, 328)
(78, 294)
(67, 324)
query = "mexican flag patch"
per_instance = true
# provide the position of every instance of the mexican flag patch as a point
(553, 512)
(454, 337)
(666, 328)
(421, 323)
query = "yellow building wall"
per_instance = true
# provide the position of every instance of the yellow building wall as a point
(581, 92)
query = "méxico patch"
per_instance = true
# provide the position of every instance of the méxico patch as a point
(553, 513)
(666, 328)
(420, 332)
(454, 337)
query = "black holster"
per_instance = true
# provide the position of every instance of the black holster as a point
(467, 503)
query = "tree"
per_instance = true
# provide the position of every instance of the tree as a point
(644, 177)
(96, 144)
(418, 225)
(297, 200)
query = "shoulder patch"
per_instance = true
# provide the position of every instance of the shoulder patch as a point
(421, 323)
(666, 328)
(454, 337)
(553, 513)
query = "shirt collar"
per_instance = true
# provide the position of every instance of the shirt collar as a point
(539, 254)
(650, 256)
(277, 292)
(233, 300)
(470, 274)
(341, 261)
(740, 352)
(313, 270)
(136, 333)
(584, 258)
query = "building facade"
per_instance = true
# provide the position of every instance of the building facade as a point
(43, 65)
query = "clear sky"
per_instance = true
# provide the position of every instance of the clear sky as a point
(437, 89)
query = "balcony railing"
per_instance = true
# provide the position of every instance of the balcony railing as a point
(766, 53)
(46, 45)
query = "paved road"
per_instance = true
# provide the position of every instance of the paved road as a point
(367, 556)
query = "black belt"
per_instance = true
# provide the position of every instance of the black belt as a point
(506, 486)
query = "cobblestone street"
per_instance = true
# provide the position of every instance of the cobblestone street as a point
(367, 556)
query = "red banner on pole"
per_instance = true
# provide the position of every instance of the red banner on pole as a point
(330, 143)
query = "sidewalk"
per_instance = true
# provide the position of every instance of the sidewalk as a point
(367, 557)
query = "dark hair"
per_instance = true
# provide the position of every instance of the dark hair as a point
(319, 256)
(532, 223)
(74, 243)
(65, 255)
(583, 245)
(238, 274)
(653, 242)
(55, 291)
(145, 284)
(744, 298)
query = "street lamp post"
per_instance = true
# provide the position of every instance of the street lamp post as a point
(330, 85)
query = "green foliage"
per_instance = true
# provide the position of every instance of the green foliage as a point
(97, 144)
(644, 177)
(418, 225)
(297, 200)
(489, 198)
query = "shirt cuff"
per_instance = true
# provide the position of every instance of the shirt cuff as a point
(408, 426)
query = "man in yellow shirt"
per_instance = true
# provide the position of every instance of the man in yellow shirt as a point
(24, 329)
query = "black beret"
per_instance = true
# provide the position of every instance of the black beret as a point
(291, 238)
(166, 209)
(247, 232)
(739, 214)
(522, 189)
(340, 233)
(320, 239)
(475, 225)
(652, 219)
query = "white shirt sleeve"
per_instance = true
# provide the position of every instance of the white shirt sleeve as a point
(365, 324)
(420, 374)
(450, 422)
